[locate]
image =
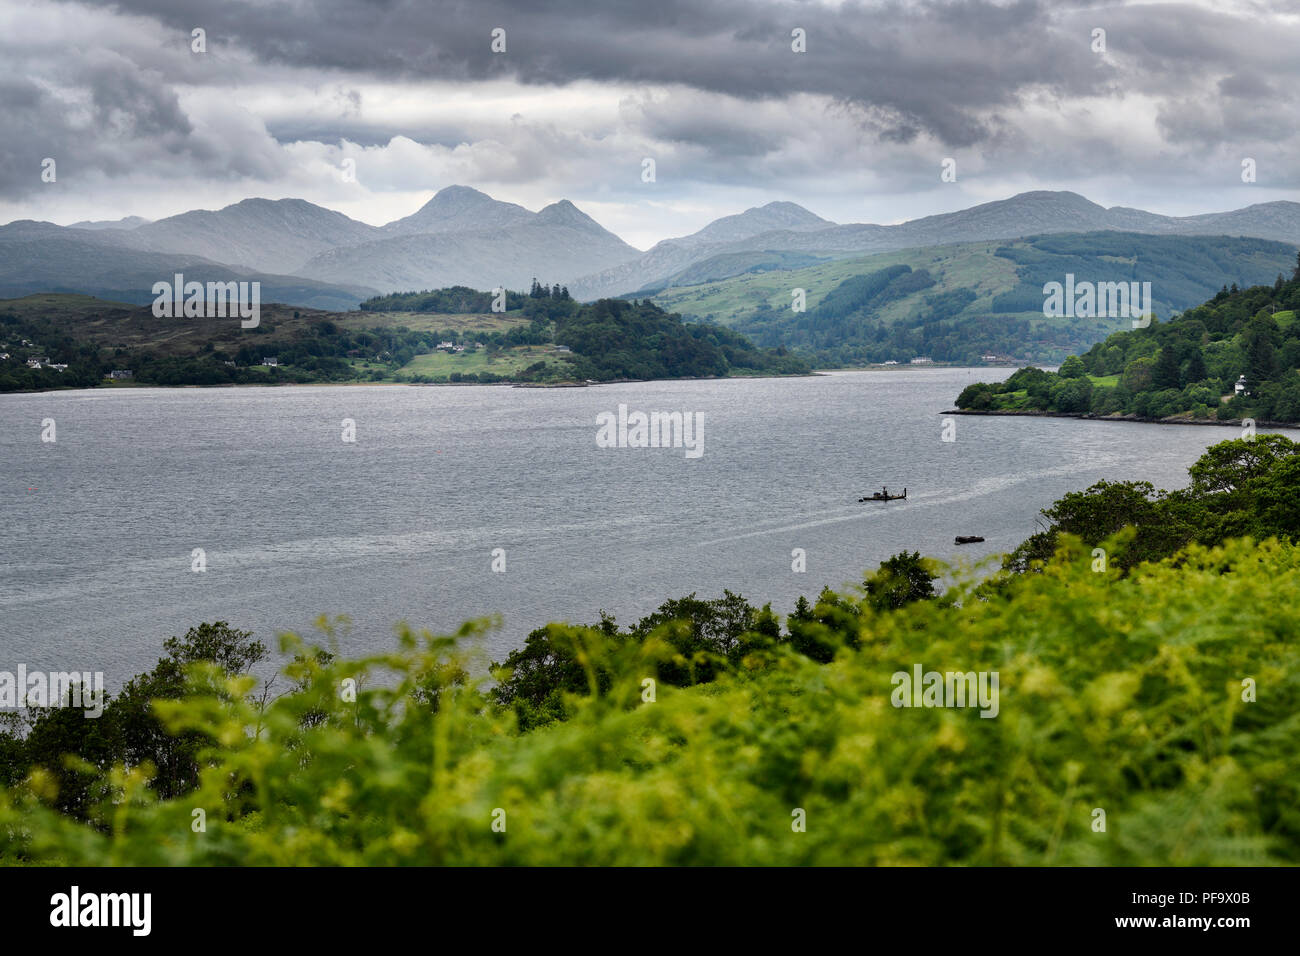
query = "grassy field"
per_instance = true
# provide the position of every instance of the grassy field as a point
(431, 321)
(1104, 381)
(507, 362)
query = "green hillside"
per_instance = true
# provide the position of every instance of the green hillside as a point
(1237, 356)
(958, 303)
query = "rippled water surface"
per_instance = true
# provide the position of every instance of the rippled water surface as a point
(98, 528)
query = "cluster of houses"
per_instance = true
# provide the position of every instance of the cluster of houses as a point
(46, 363)
(36, 363)
(454, 348)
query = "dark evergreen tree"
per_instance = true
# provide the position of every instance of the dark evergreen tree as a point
(1165, 374)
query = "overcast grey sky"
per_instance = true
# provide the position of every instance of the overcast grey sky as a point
(855, 128)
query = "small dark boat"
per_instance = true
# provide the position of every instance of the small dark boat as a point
(968, 538)
(884, 495)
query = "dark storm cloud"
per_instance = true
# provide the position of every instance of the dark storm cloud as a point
(126, 113)
(928, 64)
(411, 90)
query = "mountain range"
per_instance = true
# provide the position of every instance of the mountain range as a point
(308, 255)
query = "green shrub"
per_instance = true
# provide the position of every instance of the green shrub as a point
(1118, 692)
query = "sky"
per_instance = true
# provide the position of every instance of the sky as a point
(370, 107)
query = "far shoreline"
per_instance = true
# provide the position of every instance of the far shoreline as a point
(134, 386)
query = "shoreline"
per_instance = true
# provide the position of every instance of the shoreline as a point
(506, 384)
(1129, 418)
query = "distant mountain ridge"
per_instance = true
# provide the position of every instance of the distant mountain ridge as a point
(269, 235)
(465, 237)
(1026, 214)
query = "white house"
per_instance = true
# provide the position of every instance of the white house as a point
(121, 373)
(272, 362)
(33, 363)
(922, 360)
(1240, 387)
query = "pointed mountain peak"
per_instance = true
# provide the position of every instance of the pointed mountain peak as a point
(454, 196)
(773, 216)
(793, 212)
(565, 212)
(457, 209)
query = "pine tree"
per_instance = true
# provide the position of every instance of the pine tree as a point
(1165, 373)
(1261, 357)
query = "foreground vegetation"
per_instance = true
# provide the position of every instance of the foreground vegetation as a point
(1187, 368)
(1162, 694)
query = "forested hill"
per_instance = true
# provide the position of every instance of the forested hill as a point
(613, 339)
(1236, 356)
(438, 336)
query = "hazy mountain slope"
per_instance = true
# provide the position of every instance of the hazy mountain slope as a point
(35, 259)
(558, 242)
(722, 237)
(126, 222)
(275, 236)
(728, 264)
(775, 216)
